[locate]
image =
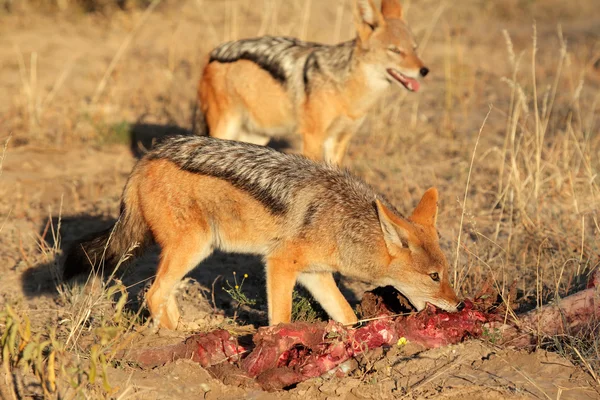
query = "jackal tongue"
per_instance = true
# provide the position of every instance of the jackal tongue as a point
(409, 83)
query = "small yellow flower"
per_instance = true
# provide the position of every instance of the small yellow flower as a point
(237, 287)
(402, 342)
(245, 275)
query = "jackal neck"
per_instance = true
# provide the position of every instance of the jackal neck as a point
(333, 63)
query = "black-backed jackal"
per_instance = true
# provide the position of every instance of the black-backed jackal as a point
(256, 88)
(193, 195)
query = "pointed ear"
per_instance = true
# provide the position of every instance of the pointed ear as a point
(391, 9)
(397, 232)
(367, 18)
(425, 212)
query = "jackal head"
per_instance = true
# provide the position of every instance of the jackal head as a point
(418, 267)
(386, 44)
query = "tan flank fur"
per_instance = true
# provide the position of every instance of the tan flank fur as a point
(254, 89)
(193, 195)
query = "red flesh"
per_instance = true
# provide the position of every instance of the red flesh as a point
(286, 354)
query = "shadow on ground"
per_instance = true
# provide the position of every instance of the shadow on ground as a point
(42, 279)
(143, 136)
(213, 275)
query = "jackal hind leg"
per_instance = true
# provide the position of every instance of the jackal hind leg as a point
(221, 113)
(228, 126)
(323, 288)
(177, 259)
(254, 138)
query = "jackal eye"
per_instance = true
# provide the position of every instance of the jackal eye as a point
(396, 50)
(435, 276)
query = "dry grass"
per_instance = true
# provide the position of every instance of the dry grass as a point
(70, 359)
(519, 190)
(530, 201)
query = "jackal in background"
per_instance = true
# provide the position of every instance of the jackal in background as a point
(252, 89)
(193, 195)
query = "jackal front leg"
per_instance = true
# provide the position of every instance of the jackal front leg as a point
(340, 148)
(323, 288)
(313, 146)
(342, 133)
(314, 135)
(281, 278)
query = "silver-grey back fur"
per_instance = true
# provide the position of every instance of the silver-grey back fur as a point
(290, 61)
(271, 177)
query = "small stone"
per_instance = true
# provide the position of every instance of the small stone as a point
(328, 387)
(346, 386)
(205, 387)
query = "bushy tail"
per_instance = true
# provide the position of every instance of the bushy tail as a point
(101, 252)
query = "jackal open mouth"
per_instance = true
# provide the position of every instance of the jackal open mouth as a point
(409, 83)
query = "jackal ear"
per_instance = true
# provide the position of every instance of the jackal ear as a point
(425, 213)
(397, 232)
(391, 9)
(367, 18)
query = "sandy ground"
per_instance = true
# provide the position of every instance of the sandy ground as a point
(475, 369)
(73, 143)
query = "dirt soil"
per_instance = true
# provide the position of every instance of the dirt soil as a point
(74, 141)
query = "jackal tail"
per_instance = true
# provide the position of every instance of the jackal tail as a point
(102, 252)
